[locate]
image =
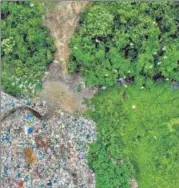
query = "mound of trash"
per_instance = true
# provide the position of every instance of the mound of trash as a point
(44, 152)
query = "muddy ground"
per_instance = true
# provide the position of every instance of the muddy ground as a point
(59, 87)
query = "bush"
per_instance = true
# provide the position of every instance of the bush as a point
(134, 41)
(27, 47)
(137, 136)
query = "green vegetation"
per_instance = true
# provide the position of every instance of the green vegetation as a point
(134, 41)
(26, 47)
(135, 136)
(137, 125)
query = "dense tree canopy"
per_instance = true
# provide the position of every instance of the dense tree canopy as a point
(26, 47)
(133, 41)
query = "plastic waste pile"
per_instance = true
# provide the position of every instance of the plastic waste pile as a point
(39, 153)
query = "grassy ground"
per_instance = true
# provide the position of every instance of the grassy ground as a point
(142, 125)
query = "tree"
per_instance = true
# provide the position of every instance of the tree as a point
(126, 40)
(27, 47)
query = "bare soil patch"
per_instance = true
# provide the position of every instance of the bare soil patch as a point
(59, 87)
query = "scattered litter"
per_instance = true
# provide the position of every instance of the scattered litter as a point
(133, 107)
(30, 130)
(44, 153)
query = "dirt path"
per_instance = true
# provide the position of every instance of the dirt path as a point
(59, 87)
(62, 21)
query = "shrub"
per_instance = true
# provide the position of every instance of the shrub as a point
(134, 41)
(27, 47)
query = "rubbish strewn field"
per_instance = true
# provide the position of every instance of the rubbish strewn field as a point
(44, 153)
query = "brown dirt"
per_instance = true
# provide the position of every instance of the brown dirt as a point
(62, 21)
(59, 87)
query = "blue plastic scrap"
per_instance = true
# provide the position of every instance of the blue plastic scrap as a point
(30, 130)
